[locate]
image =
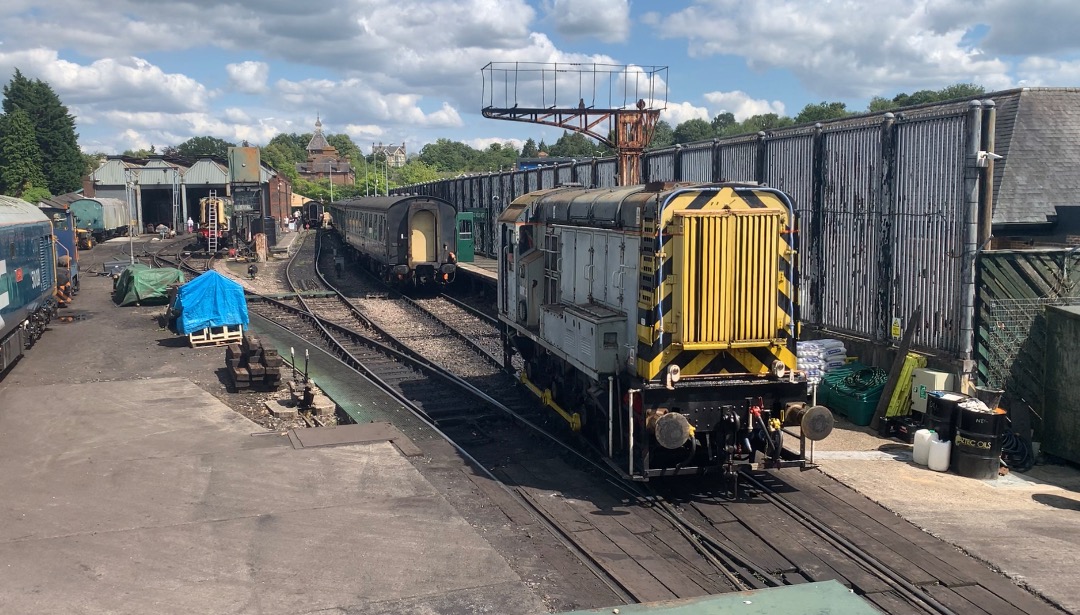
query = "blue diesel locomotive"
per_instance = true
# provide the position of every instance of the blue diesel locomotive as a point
(27, 277)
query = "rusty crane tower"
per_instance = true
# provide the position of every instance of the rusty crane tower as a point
(618, 105)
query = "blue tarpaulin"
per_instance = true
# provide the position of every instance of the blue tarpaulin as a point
(210, 300)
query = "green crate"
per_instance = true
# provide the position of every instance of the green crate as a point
(850, 399)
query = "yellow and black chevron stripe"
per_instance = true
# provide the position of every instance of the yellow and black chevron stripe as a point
(715, 296)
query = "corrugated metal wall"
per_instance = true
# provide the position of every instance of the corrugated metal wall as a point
(880, 201)
(928, 212)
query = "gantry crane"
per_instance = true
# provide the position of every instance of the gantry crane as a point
(622, 118)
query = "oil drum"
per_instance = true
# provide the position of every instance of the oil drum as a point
(976, 451)
(941, 413)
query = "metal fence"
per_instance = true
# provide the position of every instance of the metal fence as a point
(884, 207)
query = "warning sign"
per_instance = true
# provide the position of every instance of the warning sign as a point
(897, 328)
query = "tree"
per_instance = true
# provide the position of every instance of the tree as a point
(54, 130)
(497, 156)
(140, 153)
(573, 145)
(346, 149)
(197, 147)
(20, 158)
(693, 130)
(723, 123)
(416, 172)
(542, 147)
(663, 136)
(529, 150)
(821, 112)
(446, 155)
(922, 97)
(765, 121)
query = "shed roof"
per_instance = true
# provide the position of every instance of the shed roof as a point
(1038, 133)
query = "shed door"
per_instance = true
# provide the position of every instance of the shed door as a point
(422, 240)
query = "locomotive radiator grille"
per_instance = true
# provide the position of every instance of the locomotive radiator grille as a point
(727, 272)
(721, 301)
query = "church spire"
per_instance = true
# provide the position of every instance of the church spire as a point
(318, 142)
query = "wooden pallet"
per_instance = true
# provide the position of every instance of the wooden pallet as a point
(216, 336)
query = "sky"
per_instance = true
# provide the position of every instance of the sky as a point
(136, 73)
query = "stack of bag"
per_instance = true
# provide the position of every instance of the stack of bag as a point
(819, 357)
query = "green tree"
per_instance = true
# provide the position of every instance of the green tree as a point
(140, 153)
(766, 121)
(447, 156)
(663, 136)
(34, 194)
(277, 157)
(574, 145)
(821, 112)
(416, 172)
(20, 158)
(292, 146)
(693, 130)
(196, 147)
(724, 123)
(542, 147)
(346, 149)
(529, 150)
(497, 156)
(54, 130)
(952, 92)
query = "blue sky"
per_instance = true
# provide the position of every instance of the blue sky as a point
(137, 73)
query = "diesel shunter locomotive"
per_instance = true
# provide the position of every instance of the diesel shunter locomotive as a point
(661, 320)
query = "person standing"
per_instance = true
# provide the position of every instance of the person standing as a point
(190, 225)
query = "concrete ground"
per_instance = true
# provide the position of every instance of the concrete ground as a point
(129, 487)
(1025, 525)
(150, 496)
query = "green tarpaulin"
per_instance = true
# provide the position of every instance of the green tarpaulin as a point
(143, 285)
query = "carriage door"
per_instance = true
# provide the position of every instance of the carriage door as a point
(465, 240)
(423, 247)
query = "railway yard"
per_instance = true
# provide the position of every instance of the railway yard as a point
(441, 486)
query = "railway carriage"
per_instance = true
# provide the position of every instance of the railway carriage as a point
(101, 217)
(406, 240)
(661, 320)
(313, 214)
(27, 277)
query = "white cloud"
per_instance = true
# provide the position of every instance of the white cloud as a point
(741, 105)
(1039, 71)
(606, 20)
(677, 113)
(356, 99)
(126, 83)
(482, 143)
(363, 132)
(248, 77)
(839, 49)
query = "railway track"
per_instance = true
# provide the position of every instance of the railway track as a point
(679, 541)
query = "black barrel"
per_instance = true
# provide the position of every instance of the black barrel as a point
(976, 451)
(941, 411)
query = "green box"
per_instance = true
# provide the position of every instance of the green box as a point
(842, 391)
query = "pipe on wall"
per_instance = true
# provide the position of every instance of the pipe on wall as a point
(972, 174)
